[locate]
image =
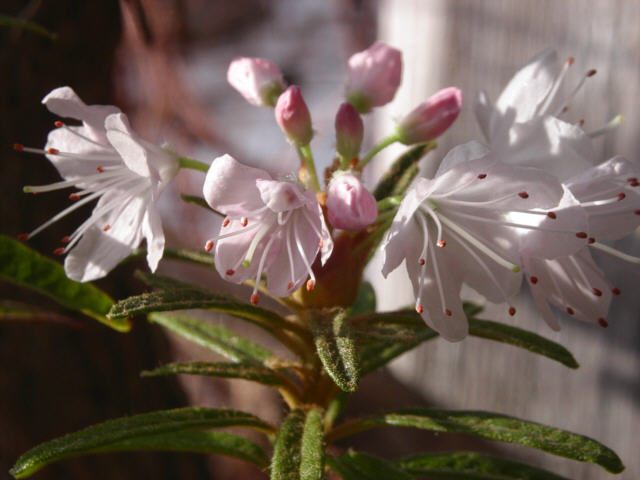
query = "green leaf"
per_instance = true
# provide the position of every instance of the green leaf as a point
(358, 466)
(471, 466)
(492, 426)
(213, 337)
(299, 449)
(365, 301)
(201, 202)
(184, 254)
(471, 309)
(402, 171)
(245, 371)
(195, 441)
(7, 21)
(20, 312)
(101, 437)
(26, 267)
(335, 343)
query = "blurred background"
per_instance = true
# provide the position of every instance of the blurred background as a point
(164, 63)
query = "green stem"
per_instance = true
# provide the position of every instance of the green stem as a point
(391, 139)
(305, 153)
(344, 162)
(348, 428)
(186, 162)
(389, 202)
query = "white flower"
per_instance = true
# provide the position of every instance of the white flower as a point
(107, 161)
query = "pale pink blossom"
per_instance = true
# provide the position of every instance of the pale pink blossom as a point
(374, 76)
(349, 131)
(107, 162)
(431, 118)
(272, 227)
(293, 116)
(350, 206)
(258, 80)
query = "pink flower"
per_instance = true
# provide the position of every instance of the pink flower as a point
(272, 227)
(350, 206)
(293, 116)
(374, 76)
(431, 118)
(258, 80)
(349, 131)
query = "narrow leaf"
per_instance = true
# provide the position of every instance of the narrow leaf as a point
(213, 337)
(358, 466)
(201, 202)
(402, 171)
(245, 371)
(7, 21)
(184, 254)
(472, 466)
(312, 446)
(26, 267)
(20, 312)
(101, 436)
(492, 426)
(365, 301)
(335, 343)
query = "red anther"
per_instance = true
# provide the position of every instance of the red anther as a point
(106, 228)
(581, 235)
(581, 122)
(226, 222)
(23, 236)
(353, 162)
(208, 245)
(632, 180)
(592, 72)
(65, 239)
(419, 309)
(53, 151)
(99, 169)
(603, 323)
(591, 240)
(254, 298)
(289, 285)
(596, 292)
(58, 251)
(18, 147)
(621, 196)
(311, 284)
(482, 176)
(58, 124)
(422, 261)
(230, 271)
(570, 311)
(244, 221)
(533, 279)
(616, 291)
(441, 243)
(637, 212)
(447, 312)
(634, 183)
(523, 195)
(552, 215)
(570, 60)
(512, 311)
(73, 196)
(320, 244)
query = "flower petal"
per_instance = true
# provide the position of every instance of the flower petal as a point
(280, 196)
(152, 231)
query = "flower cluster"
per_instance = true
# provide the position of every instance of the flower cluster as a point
(529, 201)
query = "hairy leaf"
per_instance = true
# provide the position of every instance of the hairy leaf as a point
(358, 466)
(26, 267)
(471, 466)
(492, 426)
(100, 437)
(402, 171)
(245, 371)
(335, 343)
(312, 446)
(365, 301)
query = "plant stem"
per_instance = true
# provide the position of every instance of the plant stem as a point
(186, 162)
(389, 202)
(384, 143)
(305, 153)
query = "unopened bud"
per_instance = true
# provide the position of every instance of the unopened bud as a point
(431, 118)
(374, 76)
(258, 80)
(350, 206)
(349, 131)
(293, 116)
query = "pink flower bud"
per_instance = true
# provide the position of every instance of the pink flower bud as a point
(431, 118)
(374, 76)
(349, 205)
(258, 80)
(293, 116)
(349, 131)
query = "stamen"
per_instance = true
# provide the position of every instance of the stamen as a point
(419, 309)
(53, 151)
(208, 246)
(570, 311)
(226, 222)
(571, 96)
(523, 195)
(58, 251)
(23, 236)
(311, 284)
(288, 233)
(447, 312)
(232, 234)
(73, 197)
(596, 292)
(422, 261)
(611, 125)
(230, 272)
(58, 124)
(254, 242)
(616, 253)
(65, 239)
(289, 285)
(591, 240)
(425, 208)
(616, 291)
(533, 279)
(581, 235)
(71, 183)
(263, 258)
(18, 147)
(106, 228)
(436, 270)
(302, 253)
(482, 176)
(100, 169)
(254, 299)
(542, 109)
(244, 221)
(603, 323)
(552, 215)
(512, 311)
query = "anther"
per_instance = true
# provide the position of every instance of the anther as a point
(18, 147)
(591, 240)
(592, 72)
(320, 243)
(523, 195)
(632, 180)
(603, 323)
(53, 151)
(596, 292)
(570, 60)
(99, 169)
(533, 279)
(58, 251)
(230, 271)
(226, 222)
(634, 183)
(289, 285)
(419, 309)
(254, 298)
(616, 291)
(106, 228)
(581, 235)
(482, 176)
(570, 311)
(208, 245)
(552, 215)
(73, 197)
(23, 236)
(512, 311)
(65, 239)
(581, 122)
(422, 261)
(58, 124)
(441, 243)
(311, 284)
(244, 221)
(637, 212)
(447, 312)
(621, 196)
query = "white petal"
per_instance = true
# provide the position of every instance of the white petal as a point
(280, 196)
(152, 231)
(460, 154)
(133, 153)
(483, 110)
